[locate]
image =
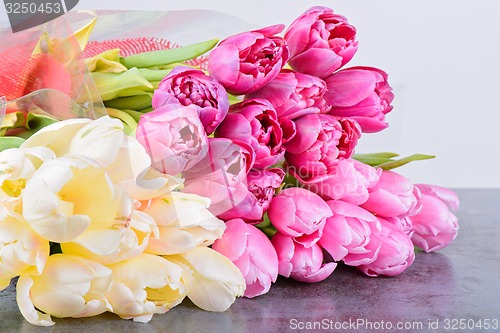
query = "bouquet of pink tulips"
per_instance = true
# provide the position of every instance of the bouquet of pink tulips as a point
(209, 177)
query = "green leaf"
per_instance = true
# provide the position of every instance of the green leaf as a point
(146, 110)
(111, 85)
(166, 57)
(36, 122)
(405, 160)
(107, 62)
(134, 114)
(154, 74)
(7, 142)
(375, 159)
(137, 102)
(233, 99)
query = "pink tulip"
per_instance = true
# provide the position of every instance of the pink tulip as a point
(446, 195)
(221, 175)
(349, 234)
(261, 186)
(299, 262)
(348, 181)
(299, 213)
(246, 62)
(362, 94)
(395, 255)
(289, 129)
(255, 122)
(174, 138)
(435, 227)
(188, 86)
(320, 42)
(252, 252)
(393, 196)
(236, 156)
(294, 94)
(321, 140)
(402, 223)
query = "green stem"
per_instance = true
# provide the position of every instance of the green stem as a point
(166, 57)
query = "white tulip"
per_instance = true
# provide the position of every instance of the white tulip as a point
(66, 194)
(184, 223)
(117, 243)
(17, 166)
(69, 286)
(216, 281)
(20, 247)
(145, 285)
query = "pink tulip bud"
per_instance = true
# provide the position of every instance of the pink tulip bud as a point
(395, 255)
(299, 262)
(362, 94)
(252, 252)
(320, 42)
(294, 94)
(246, 62)
(255, 122)
(435, 227)
(320, 142)
(221, 175)
(261, 186)
(173, 137)
(299, 213)
(349, 234)
(189, 86)
(348, 181)
(393, 196)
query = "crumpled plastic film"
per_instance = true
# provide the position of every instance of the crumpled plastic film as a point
(47, 57)
(28, 114)
(3, 107)
(142, 31)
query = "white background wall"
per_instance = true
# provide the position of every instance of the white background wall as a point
(443, 58)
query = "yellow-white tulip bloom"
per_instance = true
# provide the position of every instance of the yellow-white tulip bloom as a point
(66, 194)
(104, 141)
(97, 139)
(117, 243)
(20, 247)
(69, 286)
(216, 281)
(17, 166)
(184, 223)
(145, 285)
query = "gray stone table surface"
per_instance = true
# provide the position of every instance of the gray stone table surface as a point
(461, 281)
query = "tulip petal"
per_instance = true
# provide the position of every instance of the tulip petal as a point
(317, 62)
(225, 67)
(446, 195)
(325, 271)
(25, 304)
(50, 136)
(99, 140)
(216, 280)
